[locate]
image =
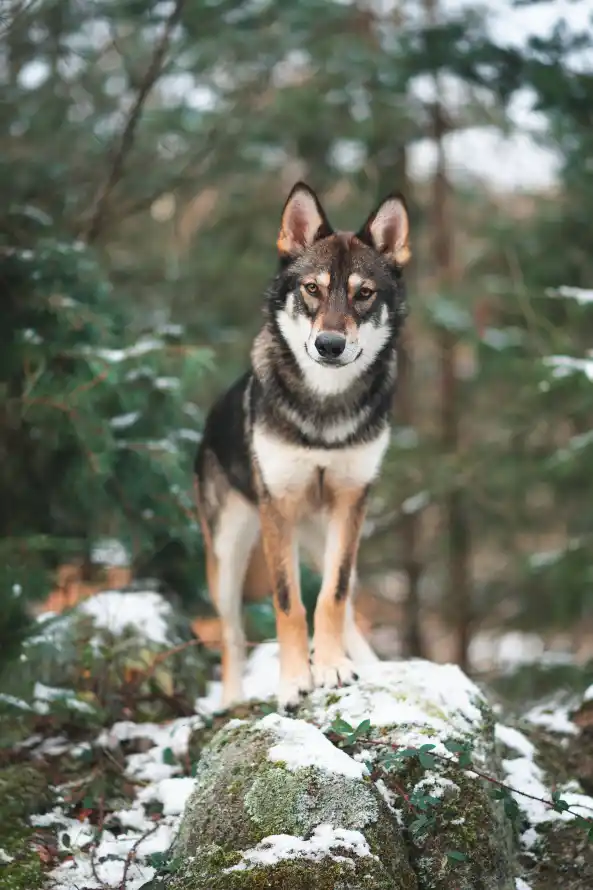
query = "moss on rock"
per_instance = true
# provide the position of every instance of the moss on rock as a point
(214, 869)
(23, 791)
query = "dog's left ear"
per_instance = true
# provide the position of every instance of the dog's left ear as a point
(303, 221)
(387, 230)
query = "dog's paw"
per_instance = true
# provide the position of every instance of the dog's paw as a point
(293, 689)
(338, 672)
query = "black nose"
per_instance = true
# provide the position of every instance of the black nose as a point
(330, 345)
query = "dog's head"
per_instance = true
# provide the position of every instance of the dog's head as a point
(339, 298)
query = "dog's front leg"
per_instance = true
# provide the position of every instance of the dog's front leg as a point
(281, 551)
(331, 666)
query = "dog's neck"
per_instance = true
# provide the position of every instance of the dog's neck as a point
(313, 411)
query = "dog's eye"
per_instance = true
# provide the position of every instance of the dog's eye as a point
(365, 293)
(312, 289)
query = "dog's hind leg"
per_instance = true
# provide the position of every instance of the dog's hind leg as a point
(357, 647)
(233, 539)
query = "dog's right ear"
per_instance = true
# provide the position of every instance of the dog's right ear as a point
(303, 222)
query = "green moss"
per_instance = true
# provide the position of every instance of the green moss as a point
(209, 872)
(467, 821)
(23, 791)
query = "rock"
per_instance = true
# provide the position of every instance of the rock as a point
(111, 650)
(292, 810)
(278, 804)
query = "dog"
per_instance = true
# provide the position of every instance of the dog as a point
(289, 452)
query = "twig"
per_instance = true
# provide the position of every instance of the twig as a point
(472, 769)
(127, 137)
(132, 854)
(98, 879)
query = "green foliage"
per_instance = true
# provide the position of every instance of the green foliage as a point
(426, 809)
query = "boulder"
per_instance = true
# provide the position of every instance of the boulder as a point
(363, 789)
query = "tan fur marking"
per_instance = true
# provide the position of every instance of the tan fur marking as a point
(344, 530)
(279, 544)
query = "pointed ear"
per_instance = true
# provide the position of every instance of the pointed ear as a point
(387, 230)
(303, 221)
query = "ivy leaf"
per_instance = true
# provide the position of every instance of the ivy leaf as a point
(511, 808)
(424, 748)
(341, 727)
(456, 856)
(406, 753)
(363, 727)
(465, 759)
(419, 824)
(427, 760)
(169, 757)
(559, 805)
(454, 747)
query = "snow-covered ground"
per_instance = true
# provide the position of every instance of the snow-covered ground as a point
(159, 777)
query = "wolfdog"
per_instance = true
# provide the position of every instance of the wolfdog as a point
(289, 452)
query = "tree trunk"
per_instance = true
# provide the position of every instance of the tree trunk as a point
(391, 165)
(459, 585)
(412, 642)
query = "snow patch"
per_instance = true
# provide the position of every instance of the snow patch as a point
(564, 365)
(301, 745)
(552, 717)
(521, 885)
(114, 611)
(583, 297)
(173, 793)
(324, 840)
(44, 696)
(262, 676)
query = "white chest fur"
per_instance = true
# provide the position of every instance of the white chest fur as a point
(288, 468)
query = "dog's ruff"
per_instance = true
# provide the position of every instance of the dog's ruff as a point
(290, 450)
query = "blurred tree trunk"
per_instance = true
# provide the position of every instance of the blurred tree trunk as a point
(458, 587)
(410, 525)
(392, 174)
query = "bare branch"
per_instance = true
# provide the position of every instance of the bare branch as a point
(126, 141)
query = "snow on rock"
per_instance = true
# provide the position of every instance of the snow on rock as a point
(115, 611)
(324, 840)
(300, 744)
(521, 885)
(530, 788)
(418, 697)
